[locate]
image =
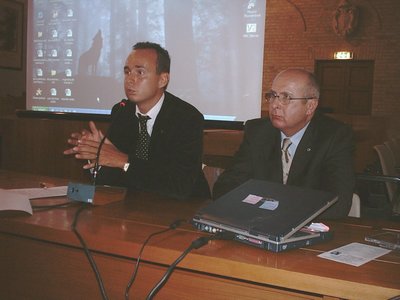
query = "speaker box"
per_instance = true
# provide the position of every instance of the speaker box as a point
(95, 194)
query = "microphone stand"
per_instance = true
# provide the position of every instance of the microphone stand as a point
(97, 194)
(96, 164)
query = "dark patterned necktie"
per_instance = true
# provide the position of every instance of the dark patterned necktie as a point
(286, 159)
(142, 148)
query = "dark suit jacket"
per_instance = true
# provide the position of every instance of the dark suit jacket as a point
(323, 160)
(174, 167)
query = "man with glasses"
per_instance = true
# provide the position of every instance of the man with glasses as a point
(296, 145)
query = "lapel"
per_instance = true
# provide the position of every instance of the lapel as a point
(304, 153)
(124, 129)
(276, 171)
(269, 164)
(133, 125)
(163, 118)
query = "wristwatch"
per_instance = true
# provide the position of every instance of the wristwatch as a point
(126, 167)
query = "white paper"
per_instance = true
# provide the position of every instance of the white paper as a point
(34, 193)
(18, 199)
(355, 254)
(14, 201)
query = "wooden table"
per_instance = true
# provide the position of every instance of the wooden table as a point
(41, 258)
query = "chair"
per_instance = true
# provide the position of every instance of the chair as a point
(389, 176)
(387, 161)
(211, 174)
(355, 210)
(394, 147)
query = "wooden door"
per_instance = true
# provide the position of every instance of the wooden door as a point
(346, 86)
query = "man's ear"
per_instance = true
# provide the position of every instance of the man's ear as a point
(164, 79)
(311, 106)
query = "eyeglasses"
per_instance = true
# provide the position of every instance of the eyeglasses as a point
(283, 98)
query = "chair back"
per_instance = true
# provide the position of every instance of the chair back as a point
(388, 168)
(211, 174)
(394, 147)
(355, 210)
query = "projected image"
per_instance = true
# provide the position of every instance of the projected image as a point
(77, 50)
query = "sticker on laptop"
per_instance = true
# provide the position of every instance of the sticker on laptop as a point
(266, 203)
(252, 199)
(269, 203)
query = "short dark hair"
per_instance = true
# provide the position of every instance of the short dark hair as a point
(163, 59)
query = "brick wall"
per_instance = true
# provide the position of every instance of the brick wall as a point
(300, 32)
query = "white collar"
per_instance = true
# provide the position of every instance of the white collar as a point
(153, 112)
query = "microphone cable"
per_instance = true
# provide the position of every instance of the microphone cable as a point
(96, 163)
(122, 104)
(60, 205)
(87, 252)
(172, 226)
(196, 244)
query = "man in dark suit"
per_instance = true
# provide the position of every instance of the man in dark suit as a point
(163, 154)
(320, 148)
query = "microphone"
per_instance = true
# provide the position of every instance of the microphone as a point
(96, 168)
(98, 194)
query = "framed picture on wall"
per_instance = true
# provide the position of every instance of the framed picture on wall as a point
(11, 34)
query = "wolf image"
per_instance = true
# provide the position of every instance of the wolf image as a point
(89, 59)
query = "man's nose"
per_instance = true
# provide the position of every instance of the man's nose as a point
(275, 104)
(131, 77)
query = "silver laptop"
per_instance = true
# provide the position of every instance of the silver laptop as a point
(268, 215)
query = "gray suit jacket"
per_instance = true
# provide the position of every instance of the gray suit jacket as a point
(323, 160)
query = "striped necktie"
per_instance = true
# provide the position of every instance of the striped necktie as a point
(286, 159)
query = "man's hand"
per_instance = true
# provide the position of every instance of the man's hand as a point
(109, 155)
(93, 134)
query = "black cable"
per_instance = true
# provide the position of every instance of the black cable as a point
(196, 244)
(172, 226)
(96, 164)
(87, 252)
(167, 274)
(64, 204)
